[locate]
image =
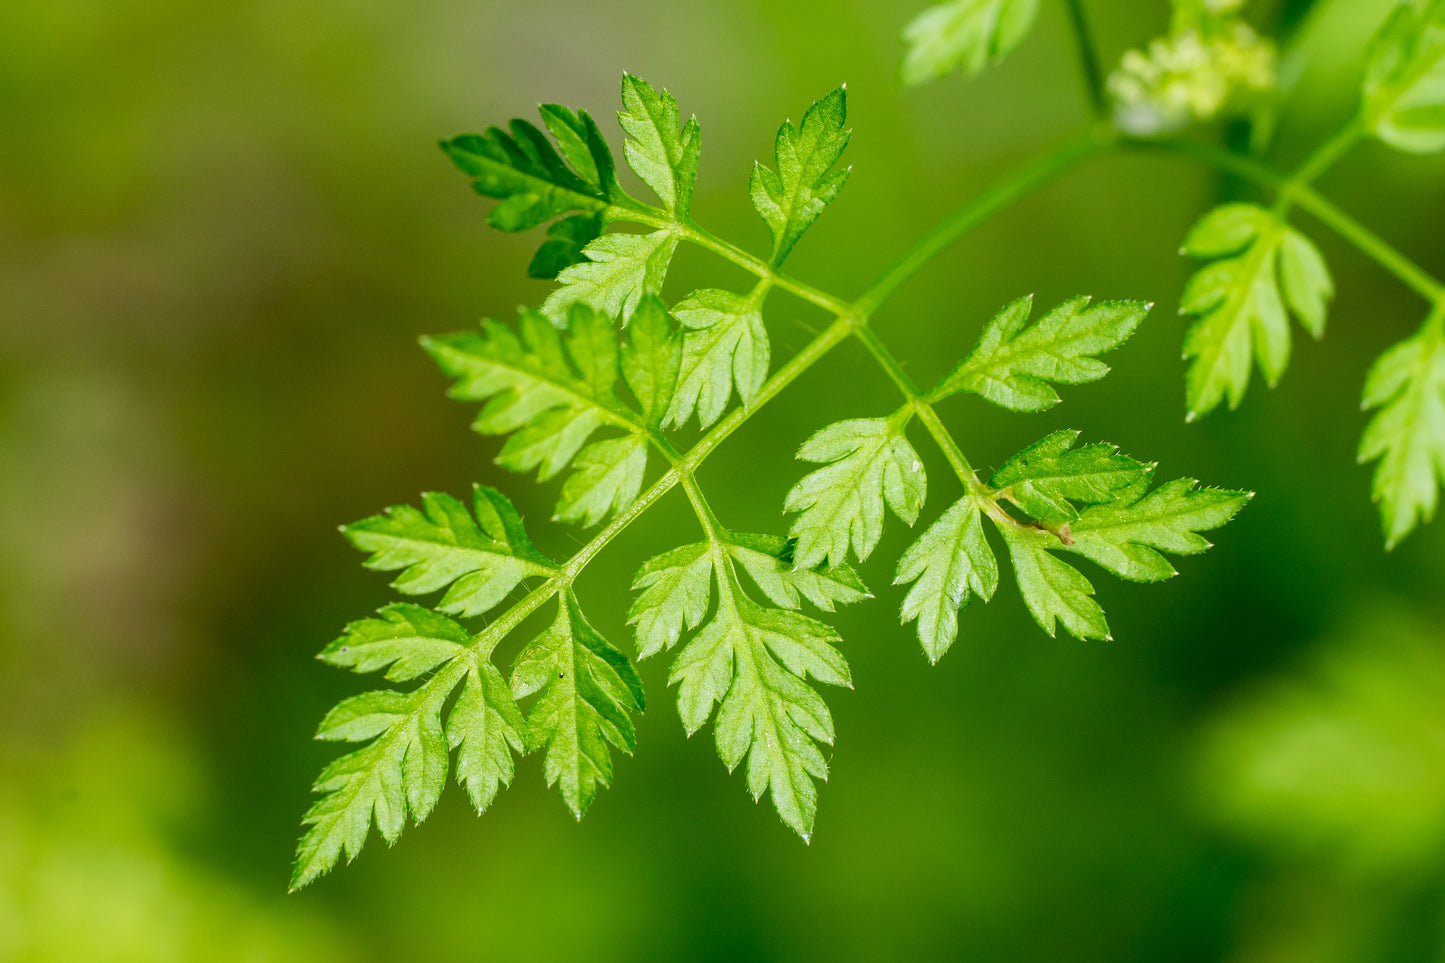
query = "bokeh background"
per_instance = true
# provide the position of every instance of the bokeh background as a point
(223, 227)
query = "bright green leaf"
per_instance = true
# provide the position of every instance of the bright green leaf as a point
(768, 560)
(651, 358)
(608, 475)
(949, 562)
(617, 272)
(790, 199)
(411, 640)
(1407, 435)
(1014, 363)
(1404, 90)
(585, 689)
(1240, 304)
(441, 545)
(674, 590)
(485, 727)
(1046, 476)
(665, 159)
(1053, 590)
(964, 35)
(724, 343)
(867, 462)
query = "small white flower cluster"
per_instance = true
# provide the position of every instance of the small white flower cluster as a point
(1192, 75)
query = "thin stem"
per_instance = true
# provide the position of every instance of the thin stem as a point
(1369, 243)
(966, 218)
(1088, 58)
(1329, 153)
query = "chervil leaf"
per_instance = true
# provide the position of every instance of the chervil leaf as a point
(1013, 365)
(485, 727)
(768, 560)
(564, 246)
(410, 639)
(665, 159)
(1126, 537)
(1043, 478)
(607, 479)
(1404, 90)
(868, 461)
(650, 360)
(618, 271)
(949, 562)
(440, 545)
(585, 688)
(1054, 591)
(1407, 385)
(401, 771)
(674, 590)
(1239, 302)
(963, 35)
(791, 199)
(724, 343)
(524, 172)
(751, 662)
(551, 391)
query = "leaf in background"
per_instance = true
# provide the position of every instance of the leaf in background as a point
(964, 35)
(523, 171)
(724, 342)
(564, 246)
(665, 159)
(752, 663)
(1013, 365)
(949, 562)
(1407, 385)
(585, 689)
(1404, 89)
(1046, 476)
(867, 462)
(1239, 301)
(791, 199)
(440, 545)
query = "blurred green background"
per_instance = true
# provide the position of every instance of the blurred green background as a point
(223, 227)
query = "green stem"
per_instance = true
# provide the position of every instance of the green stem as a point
(966, 218)
(1088, 58)
(1305, 197)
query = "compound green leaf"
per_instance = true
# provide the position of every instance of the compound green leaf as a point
(1126, 537)
(1054, 591)
(768, 560)
(724, 343)
(752, 664)
(651, 358)
(485, 727)
(964, 35)
(950, 562)
(1013, 364)
(867, 462)
(1047, 476)
(606, 480)
(657, 152)
(1407, 435)
(408, 641)
(618, 271)
(674, 590)
(585, 689)
(1240, 306)
(1404, 90)
(790, 199)
(440, 545)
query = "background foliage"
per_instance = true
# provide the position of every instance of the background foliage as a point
(222, 229)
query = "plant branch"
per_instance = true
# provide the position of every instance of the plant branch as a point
(1093, 73)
